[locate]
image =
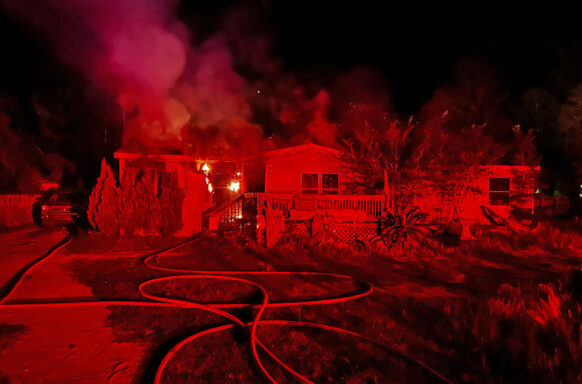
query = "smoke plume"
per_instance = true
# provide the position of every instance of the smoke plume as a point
(221, 91)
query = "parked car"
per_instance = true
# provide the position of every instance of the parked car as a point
(59, 208)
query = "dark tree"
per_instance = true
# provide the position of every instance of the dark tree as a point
(570, 127)
(374, 157)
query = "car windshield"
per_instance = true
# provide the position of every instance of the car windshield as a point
(64, 197)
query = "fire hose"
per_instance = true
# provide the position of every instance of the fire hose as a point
(220, 309)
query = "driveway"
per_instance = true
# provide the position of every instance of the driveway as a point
(50, 345)
(22, 246)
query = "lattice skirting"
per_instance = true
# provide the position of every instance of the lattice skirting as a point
(348, 233)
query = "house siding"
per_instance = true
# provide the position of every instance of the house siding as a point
(522, 184)
(283, 171)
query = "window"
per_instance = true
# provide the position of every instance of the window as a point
(310, 183)
(329, 183)
(499, 191)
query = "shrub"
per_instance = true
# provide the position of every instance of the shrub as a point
(140, 211)
(530, 333)
(145, 204)
(404, 227)
(103, 210)
(549, 238)
(296, 232)
(150, 205)
(171, 198)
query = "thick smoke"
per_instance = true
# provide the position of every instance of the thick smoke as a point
(182, 92)
(134, 49)
(308, 119)
(214, 93)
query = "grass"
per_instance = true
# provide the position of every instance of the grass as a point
(525, 333)
(486, 311)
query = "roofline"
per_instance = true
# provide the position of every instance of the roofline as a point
(520, 167)
(168, 157)
(133, 156)
(299, 148)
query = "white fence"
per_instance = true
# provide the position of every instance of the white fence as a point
(372, 205)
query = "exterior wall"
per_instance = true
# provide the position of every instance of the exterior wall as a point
(283, 171)
(122, 168)
(522, 184)
(196, 200)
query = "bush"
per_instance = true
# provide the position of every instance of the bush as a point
(147, 203)
(549, 238)
(140, 210)
(103, 210)
(404, 227)
(171, 198)
(150, 205)
(530, 333)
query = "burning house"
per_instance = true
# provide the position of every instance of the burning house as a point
(190, 180)
(300, 184)
(204, 182)
(304, 188)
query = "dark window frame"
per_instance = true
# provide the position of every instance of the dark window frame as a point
(330, 191)
(310, 190)
(499, 190)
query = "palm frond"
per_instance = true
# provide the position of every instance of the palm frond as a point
(404, 227)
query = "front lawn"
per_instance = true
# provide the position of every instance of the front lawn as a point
(483, 312)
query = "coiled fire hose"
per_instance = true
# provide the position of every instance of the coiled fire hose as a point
(218, 309)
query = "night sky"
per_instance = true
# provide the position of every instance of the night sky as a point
(414, 46)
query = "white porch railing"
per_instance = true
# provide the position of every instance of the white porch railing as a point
(372, 205)
(278, 201)
(369, 205)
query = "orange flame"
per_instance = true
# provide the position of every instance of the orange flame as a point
(234, 186)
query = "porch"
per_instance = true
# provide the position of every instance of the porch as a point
(345, 217)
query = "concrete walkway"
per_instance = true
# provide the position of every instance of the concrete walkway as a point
(22, 246)
(58, 345)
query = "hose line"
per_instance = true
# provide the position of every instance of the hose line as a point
(243, 277)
